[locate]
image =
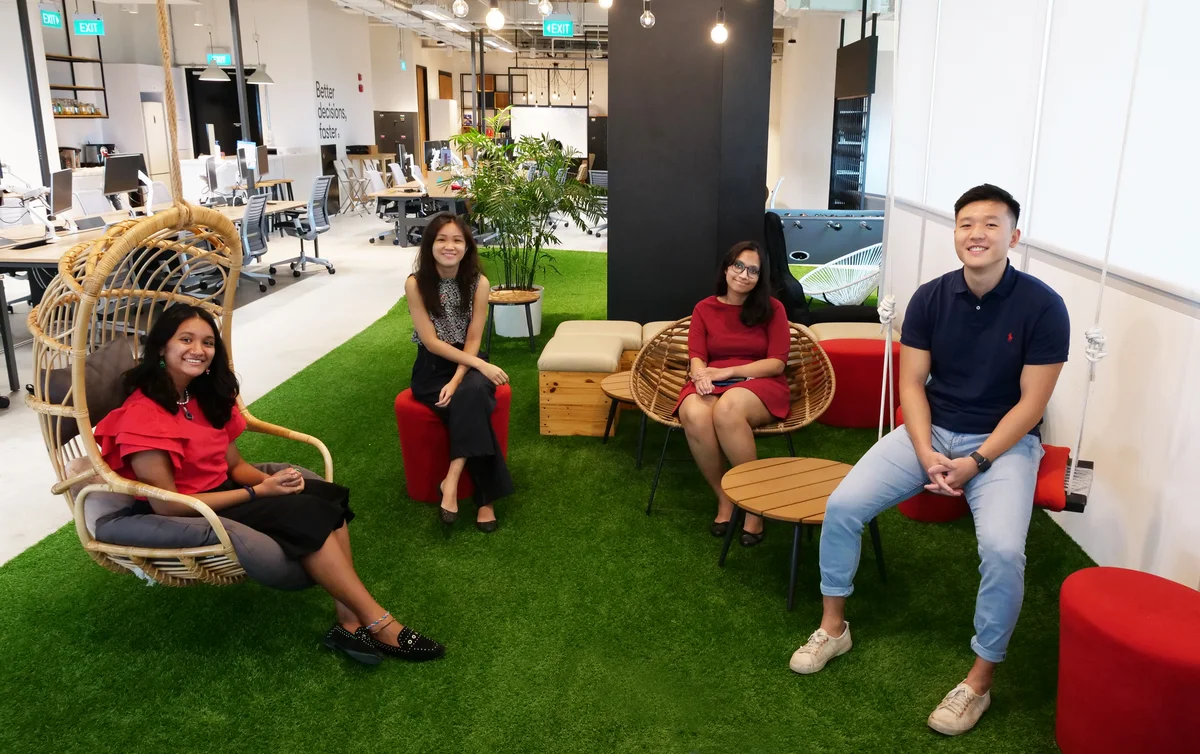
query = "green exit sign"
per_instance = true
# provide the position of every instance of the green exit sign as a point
(89, 26)
(51, 18)
(558, 27)
(220, 58)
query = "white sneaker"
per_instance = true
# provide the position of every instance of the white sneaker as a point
(959, 711)
(820, 649)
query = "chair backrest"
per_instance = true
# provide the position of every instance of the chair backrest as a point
(162, 192)
(599, 178)
(375, 181)
(318, 217)
(397, 173)
(254, 241)
(94, 202)
(660, 373)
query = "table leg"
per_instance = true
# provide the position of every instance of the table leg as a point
(795, 566)
(612, 414)
(658, 471)
(877, 543)
(491, 325)
(791, 448)
(641, 441)
(529, 323)
(6, 339)
(733, 524)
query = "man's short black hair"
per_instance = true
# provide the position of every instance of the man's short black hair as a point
(986, 192)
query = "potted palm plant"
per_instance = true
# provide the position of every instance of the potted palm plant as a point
(520, 193)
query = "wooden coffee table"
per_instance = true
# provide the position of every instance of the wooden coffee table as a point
(616, 386)
(794, 490)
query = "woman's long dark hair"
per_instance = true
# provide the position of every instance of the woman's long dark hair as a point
(427, 274)
(216, 391)
(757, 307)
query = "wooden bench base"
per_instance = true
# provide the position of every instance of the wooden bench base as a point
(572, 403)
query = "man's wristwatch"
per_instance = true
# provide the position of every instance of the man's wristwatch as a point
(983, 463)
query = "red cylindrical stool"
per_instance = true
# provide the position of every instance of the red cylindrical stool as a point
(858, 368)
(425, 445)
(927, 507)
(1128, 665)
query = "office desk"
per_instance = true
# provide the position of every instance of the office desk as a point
(46, 257)
(437, 191)
(277, 187)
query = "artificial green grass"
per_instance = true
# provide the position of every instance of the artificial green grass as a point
(581, 625)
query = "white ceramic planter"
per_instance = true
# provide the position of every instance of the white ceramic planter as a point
(510, 320)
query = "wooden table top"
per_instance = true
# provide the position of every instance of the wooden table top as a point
(785, 489)
(373, 156)
(501, 297)
(617, 387)
(268, 183)
(49, 254)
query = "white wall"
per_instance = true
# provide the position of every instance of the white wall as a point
(395, 90)
(879, 132)
(1142, 512)
(806, 111)
(775, 124)
(18, 140)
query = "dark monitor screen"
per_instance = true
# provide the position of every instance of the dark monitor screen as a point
(121, 172)
(210, 171)
(432, 147)
(60, 191)
(261, 168)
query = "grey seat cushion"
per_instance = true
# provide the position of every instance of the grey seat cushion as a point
(262, 558)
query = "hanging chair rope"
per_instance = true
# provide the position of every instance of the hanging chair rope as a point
(164, 47)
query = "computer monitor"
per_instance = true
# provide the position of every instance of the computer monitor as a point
(261, 165)
(121, 173)
(210, 172)
(60, 191)
(432, 148)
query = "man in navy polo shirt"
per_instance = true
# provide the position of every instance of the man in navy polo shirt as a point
(981, 350)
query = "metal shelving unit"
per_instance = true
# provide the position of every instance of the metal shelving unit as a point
(73, 60)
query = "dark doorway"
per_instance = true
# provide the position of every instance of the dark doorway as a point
(394, 129)
(216, 102)
(422, 112)
(598, 141)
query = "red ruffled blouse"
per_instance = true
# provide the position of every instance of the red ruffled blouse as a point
(197, 449)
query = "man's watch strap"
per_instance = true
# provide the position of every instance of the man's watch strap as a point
(983, 463)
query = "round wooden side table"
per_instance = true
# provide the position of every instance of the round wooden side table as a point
(794, 490)
(616, 386)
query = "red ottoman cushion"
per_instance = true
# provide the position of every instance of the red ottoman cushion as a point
(927, 507)
(425, 445)
(1129, 664)
(858, 369)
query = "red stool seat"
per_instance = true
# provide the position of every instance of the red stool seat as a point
(1129, 664)
(425, 445)
(858, 369)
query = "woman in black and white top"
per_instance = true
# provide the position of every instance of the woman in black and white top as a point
(447, 297)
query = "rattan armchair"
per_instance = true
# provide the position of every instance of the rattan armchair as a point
(110, 289)
(661, 371)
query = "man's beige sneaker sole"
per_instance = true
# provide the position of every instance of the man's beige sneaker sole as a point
(818, 668)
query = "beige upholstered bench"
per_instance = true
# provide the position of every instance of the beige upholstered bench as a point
(570, 370)
(630, 334)
(851, 331)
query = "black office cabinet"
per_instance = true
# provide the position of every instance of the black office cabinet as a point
(394, 129)
(598, 141)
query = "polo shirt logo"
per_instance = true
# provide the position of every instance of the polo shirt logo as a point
(1010, 337)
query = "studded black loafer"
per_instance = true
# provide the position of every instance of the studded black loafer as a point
(351, 645)
(413, 647)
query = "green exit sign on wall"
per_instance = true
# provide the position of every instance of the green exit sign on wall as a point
(558, 26)
(89, 26)
(51, 18)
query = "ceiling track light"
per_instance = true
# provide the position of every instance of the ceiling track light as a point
(719, 33)
(213, 72)
(460, 8)
(495, 17)
(647, 17)
(545, 7)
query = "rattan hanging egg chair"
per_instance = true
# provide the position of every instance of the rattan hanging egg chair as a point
(102, 303)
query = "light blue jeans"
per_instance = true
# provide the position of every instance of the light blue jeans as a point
(1001, 502)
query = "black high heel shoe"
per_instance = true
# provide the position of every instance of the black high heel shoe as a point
(447, 517)
(413, 647)
(718, 528)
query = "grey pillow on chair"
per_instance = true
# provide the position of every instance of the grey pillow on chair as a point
(105, 367)
(260, 555)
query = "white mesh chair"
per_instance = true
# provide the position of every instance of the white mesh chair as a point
(848, 280)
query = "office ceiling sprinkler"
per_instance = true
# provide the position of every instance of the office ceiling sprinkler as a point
(213, 73)
(647, 18)
(719, 32)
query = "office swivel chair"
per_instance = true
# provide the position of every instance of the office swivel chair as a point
(600, 178)
(254, 241)
(308, 226)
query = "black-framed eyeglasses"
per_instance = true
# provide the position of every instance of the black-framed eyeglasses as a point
(739, 267)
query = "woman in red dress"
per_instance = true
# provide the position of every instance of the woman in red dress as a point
(738, 346)
(177, 431)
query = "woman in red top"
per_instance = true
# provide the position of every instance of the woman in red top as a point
(738, 345)
(177, 431)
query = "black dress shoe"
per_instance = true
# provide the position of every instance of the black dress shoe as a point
(487, 527)
(750, 540)
(447, 517)
(719, 528)
(412, 646)
(350, 644)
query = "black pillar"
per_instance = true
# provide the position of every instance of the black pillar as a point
(35, 99)
(687, 149)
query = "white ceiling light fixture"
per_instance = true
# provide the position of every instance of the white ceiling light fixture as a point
(495, 17)
(259, 76)
(605, 4)
(498, 44)
(199, 21)
(460, 8)
(545, 7)
(432, 11)
(212, 72)
(455, 26)
(647, 18)
(719, 32)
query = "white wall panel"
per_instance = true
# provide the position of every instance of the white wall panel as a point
(910, 120)
(989, 65)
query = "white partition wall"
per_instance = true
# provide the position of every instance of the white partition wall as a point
(1056, 101)
(567, 124)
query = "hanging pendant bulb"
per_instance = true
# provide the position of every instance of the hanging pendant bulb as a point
(545, 7)
(605, 4)
(647, 19)
(719, 32)
(460, 8)
(495, 17)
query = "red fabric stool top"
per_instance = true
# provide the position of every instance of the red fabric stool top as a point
(425, 445)
(1129, 664)
(858, 368)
